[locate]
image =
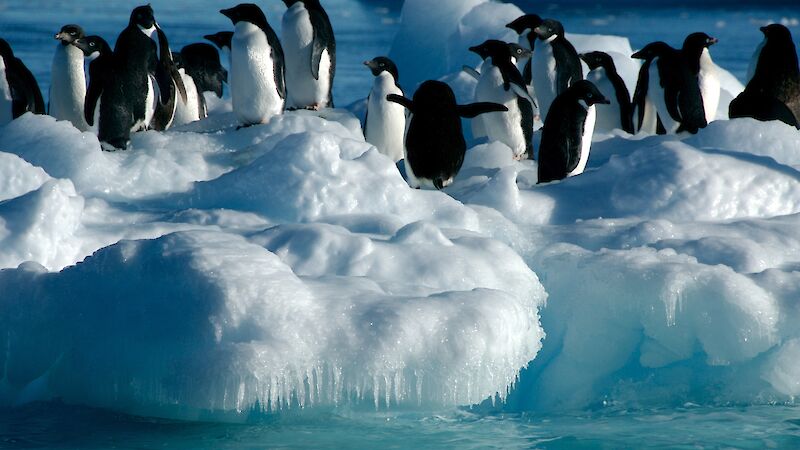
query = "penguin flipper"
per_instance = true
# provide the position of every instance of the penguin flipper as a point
(399, 99)
(471, 71)
(476, 109)
(167, 64)
(92, 96)
(323, 40)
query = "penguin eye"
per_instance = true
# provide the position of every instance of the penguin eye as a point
(91, 44)
(72, 33)
(381, 65)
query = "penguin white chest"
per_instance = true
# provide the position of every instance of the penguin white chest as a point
(6, 114)
(188, 111)
(586, 139)
(709, 85)
(254, 93)
(68, 86)
(505, 127)
(297, 39)
(386, 121)
(608, 116)
(543, 72)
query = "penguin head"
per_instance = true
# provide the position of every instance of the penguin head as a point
(143, 16)
(549, 29)
(585, 91)
(597, 59)
(244, 12)
(92, 46)
(201, 62)
(776, 31)
(221, 39)
(696, 42)
(652, 50)
(526, 22)
(5, 49)
(69, 33)
(382, 64)
(497, 50)
(518, 51)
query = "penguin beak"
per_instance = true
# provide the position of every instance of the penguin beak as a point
(227, 13)
(476, 50)
(638, 55)
(604, 101)
(711, 41)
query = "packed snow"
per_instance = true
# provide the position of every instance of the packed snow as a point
(213, 273)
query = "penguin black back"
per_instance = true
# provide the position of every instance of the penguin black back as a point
(221, 39)
(201, 62)
(639, 100)
(603, 60)
(435, 141)
(25, 93)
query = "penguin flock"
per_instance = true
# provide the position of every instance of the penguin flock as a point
(141, 84)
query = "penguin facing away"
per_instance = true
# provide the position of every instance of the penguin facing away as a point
(500, 82)
(567, 132)
(645, 116)
(524, 26)
(555, 64)
(385, 121)
(310, 46)
(773, 92)
(221, 39)
(68, 79)
(435, 143)
(603, 73)
(200, 67)
(257, 72)
(695, 49)
(101, 73)
(18, 87)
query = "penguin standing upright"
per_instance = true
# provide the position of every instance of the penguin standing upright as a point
(555, 64)
(603, 73)
(435, 143)
(257, 66)
(524, 26)
(68, 79)
(500, 82)
(172, 90)
(201, 71)
(307, 38)
(222, 39)
(644, 115)
(773, 91)
(385, 121)
(101, 74)
(695, 50)
(18, 88)
(567, 132)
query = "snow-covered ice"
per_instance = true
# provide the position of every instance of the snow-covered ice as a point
(212, 273)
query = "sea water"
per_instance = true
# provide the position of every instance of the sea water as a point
(366, 29)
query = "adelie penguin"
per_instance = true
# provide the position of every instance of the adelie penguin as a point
(645, 116)
(695, 49)
(222, 39)
(310, 46)
(555, 64)
(567, 132)
(524, 26)
(385, 121)
(256, 77)
(201, 70)
(68, 79)
(773, 91)
(435, 143)
(500, 82)
(19, 91)
(101, 74)
(603, 73)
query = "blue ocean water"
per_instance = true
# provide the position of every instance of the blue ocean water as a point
(365, 29)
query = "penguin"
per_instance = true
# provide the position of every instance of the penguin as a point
(695, 50)
(644, 115)
(435, 144)
(674, 89)
(257, 69)
(101, 74)
(221, 39)
(385, 122)
(773, 91)
(524, 26)
(18, 87)
(603, 73)
(500, 82)
(307, 38)
(567, 132)
(129, 103)
(68, 79)
(201, 70)
(555, 64)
